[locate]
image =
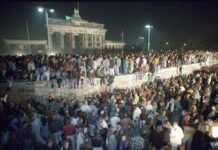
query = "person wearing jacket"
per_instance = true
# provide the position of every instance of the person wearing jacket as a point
(176, 135)
(201, 140)
(97, 141)
(157, 138)
(111, 83)
(117, 65)
(112, 64)
(55, 126)
(82, 137)
(106, 64)
(92, 120)
(91, 75)
(125, 65)
(74, 77)
(123, 143)
(111, 140)
(36, 125)
(100, 74)
(188, 135)
(51, 145)
(31, 69)
(69, 131)
(170, 109)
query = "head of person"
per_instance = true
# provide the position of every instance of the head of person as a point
(93, 112)
(85, 130)
(66, 120)
(50, 142)
(175, 124)
(66, 144)
(159, 128)
(171, 100)
(123, 137)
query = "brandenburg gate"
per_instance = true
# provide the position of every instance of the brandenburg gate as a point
(72, 35)
(75, 34)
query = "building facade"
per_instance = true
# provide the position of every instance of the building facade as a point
(75, 34)
(114, 45)
(22, 47)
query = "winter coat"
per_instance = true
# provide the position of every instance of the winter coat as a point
(112, 142)
(176, 135)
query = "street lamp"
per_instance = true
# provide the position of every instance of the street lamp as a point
(51, 10)
(184, 44)
(149, 27)
(41, 9)
(167, 45)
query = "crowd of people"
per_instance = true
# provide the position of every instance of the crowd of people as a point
(169, 114)
(62, 68)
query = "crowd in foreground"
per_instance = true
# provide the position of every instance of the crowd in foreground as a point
(62, 68)
(170, 114)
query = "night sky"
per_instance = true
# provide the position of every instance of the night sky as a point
(194, 23)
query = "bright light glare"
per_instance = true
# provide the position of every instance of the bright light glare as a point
(148, 26)
(19, 54)
(215, 132)
(40, 9)
(52, 53)
(51, 10)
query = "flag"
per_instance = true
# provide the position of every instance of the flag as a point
(68, 17)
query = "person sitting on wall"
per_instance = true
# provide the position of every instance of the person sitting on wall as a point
(111, 83)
